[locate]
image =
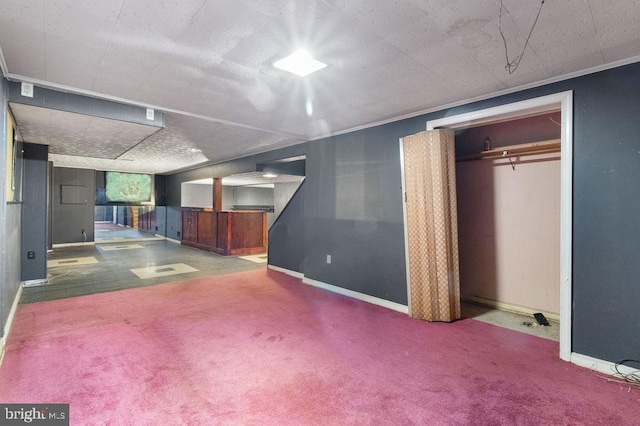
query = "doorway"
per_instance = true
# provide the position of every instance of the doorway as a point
(562, 102)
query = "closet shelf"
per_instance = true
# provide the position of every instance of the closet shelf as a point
(542, 147)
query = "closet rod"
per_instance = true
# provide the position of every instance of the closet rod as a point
(535, 148)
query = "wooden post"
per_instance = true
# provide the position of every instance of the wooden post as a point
(217, 194)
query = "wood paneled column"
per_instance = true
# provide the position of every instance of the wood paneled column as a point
(217, 194)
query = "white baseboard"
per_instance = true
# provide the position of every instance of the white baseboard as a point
(294, 274)
(599, 365)
(89, 243)
(173, 240)
(34, 283)
(7, 326)
(343, 291)
(360, 296)
(503, 306)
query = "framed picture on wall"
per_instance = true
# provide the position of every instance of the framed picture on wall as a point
(14, 162)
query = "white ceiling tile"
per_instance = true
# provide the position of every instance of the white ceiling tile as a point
(77, 134)
(617, 25)
(22, 37)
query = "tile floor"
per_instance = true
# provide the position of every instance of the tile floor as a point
(118, 266)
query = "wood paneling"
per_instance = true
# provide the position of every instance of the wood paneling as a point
(225, 232)
(189, 227)
(147, 220)
(205, 234)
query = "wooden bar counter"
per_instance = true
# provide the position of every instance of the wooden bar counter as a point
(225, 232)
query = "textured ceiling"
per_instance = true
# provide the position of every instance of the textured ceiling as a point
(207, 64)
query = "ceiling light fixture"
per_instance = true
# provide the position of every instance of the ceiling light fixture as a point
(300, 63)
(270, 175)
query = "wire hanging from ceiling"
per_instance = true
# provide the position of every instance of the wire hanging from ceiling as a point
(512, 65)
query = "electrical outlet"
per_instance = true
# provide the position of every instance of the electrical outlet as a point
(31, 255)
(328, 258)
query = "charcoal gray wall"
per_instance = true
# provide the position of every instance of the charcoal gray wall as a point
(69, 219)
(9, 226)
(34, 212)
(282, 194)
(353, 207)
(286, 235)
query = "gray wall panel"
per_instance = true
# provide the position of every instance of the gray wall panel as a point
(354, 211)
(70, 219)
(161, 220)
(9, 226)
(606, 206)
(47, 98)
(174, 222)
(34, 212)
(286, 235)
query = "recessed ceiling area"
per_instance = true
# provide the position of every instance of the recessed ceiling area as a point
(208, 65)
(251, 179)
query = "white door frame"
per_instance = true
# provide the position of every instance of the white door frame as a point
(563, 102)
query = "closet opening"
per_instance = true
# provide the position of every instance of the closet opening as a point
(513, 183)
(508, 202)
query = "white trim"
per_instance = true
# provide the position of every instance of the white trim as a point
(360, 296)
(91, 243)
(566, 225)
(562, 101)
(9, 323)
(289, 272)
(404, 226)
(33, 283)
(3, 64)
(510, 307)
(343, 291)
(502, 112)
(599, 365)
(173, 240)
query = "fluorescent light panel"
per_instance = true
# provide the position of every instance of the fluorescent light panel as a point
(300, 63)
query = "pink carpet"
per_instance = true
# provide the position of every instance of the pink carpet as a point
(258, 347)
